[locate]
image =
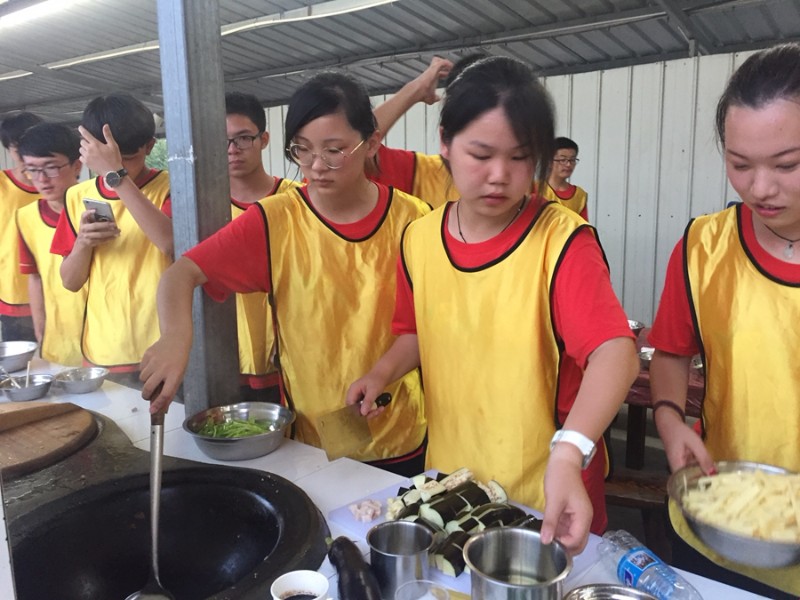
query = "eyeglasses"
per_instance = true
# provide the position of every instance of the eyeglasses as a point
(48, 172)
(243, 142)
(333, 158)
(567, 161)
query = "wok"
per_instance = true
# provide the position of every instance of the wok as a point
(225, 533)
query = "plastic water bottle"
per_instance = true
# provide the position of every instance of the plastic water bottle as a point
(638, 567)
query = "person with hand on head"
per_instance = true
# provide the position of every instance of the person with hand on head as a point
(16, 191)
(51, 156)
(122, 259)
(732, 292)
(557, 188)
(325, 253)
(520, 293)
(422, 175)
(247, 134)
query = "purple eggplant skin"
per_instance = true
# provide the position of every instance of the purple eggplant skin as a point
(356, 580)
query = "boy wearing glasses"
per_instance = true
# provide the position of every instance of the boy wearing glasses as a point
(50, 154)
(15, 192)
(122, 259)
(246, 127)
(557, 188)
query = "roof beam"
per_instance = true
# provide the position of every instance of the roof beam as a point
(698, 43)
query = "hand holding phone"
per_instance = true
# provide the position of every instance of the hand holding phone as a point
(102, 210)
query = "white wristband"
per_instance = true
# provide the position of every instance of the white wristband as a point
(577, 439)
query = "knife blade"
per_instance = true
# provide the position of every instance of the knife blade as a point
(345, 430)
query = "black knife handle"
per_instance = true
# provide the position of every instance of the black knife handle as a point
(383, 399)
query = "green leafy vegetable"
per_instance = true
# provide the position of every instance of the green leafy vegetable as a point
(235, 428)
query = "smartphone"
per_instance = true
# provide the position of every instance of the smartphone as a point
(102, 210)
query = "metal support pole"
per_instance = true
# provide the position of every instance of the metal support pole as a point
(194, 113)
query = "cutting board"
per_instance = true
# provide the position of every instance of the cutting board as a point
(34, 435)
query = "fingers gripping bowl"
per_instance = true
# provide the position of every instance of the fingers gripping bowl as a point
(273, 418)
(746, 501)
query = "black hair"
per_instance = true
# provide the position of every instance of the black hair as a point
(132, 124)
(564, 143)
(326, 94)
(12, 128)
(504, 82)
(48, 139)
(766, 76)
(247, 105)
(461, 64)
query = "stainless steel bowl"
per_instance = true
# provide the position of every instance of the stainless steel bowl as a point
(14, 356)
(607, 591)
(738, 548)
(636, 327)
(645, 356)
(81, 380)
(38, 386)
(241, 448)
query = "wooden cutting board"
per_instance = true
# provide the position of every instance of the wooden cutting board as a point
(34, 435)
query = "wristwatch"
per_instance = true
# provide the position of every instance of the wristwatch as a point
(114, 178)
(577, 439)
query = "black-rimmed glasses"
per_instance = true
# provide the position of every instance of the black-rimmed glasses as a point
(243, 142)
(48, 172)
(567, 161)
(333, 158)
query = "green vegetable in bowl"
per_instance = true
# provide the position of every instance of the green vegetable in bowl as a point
(235, 428)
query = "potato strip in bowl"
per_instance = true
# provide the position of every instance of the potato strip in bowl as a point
(752, 503)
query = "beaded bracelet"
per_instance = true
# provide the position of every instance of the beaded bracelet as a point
(671, 405)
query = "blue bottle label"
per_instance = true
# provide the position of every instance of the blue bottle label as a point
(634, 563)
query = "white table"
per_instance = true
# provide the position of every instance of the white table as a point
(305, 466)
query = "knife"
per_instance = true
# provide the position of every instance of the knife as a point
(345, 430)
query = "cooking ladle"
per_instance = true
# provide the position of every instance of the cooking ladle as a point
(153, 590)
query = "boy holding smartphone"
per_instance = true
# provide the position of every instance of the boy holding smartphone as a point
(122, 259)
(50, 154)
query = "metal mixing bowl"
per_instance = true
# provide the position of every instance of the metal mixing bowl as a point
(241, 448)
(636, 327)
(82, 380)
(14, 356)
(607, 591)
(38, 386)
(645, 356)
(738, 548)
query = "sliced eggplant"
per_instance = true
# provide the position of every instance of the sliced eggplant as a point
(527, 522)
(501, 516)
(450, 556)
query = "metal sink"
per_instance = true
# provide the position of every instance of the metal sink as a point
(80, 529)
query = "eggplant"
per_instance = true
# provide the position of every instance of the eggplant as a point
(527, 522)
(503, 515)
(449, 557)
(444, 509)
(356, 580)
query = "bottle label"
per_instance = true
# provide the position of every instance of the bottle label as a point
(635, 562)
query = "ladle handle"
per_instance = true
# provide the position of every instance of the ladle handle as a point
(156, 453)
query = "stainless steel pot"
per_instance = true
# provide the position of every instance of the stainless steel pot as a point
(511, 563)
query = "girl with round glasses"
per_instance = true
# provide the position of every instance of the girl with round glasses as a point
(507, 305)
(326, 255)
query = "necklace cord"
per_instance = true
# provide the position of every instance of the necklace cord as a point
(507, 225)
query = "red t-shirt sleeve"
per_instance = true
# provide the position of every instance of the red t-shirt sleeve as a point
(396, 168)
(673, 330)
(235, 258)
(166, 208)
(64, 236)
(586, 310)
(404, 320)
(27, 263)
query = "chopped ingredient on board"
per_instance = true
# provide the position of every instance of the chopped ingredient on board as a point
(366, 510)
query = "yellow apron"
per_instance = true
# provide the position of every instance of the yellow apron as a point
(61, 343)
(751, 409)
(256, 337)
(334, 299)
(577, 202)
(121, 321)
(13, 195)
(432, 180)
(488, 351)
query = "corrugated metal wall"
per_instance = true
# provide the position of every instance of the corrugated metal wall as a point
(649, 159)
